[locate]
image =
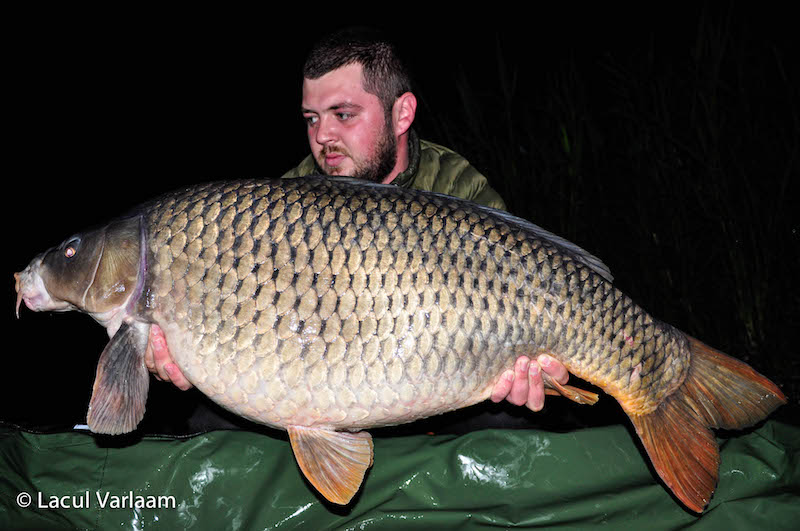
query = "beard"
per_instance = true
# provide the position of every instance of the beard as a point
(376, 166)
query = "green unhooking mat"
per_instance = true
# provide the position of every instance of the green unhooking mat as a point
(501, 478)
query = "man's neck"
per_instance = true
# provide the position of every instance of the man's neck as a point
(402, 159)
(407, 176)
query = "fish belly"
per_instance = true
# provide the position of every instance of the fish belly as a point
(349, 392)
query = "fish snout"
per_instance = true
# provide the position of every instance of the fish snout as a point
(31, 290)
(26, 290)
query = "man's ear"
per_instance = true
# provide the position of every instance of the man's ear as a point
(403, 112)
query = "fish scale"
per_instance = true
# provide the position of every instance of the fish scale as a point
(324, 306)
(310, 240)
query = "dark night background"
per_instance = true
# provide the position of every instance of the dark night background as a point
(665, 141)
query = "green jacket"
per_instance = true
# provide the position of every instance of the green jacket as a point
(434, 168)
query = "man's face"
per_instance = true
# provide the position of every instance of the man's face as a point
(347, 128)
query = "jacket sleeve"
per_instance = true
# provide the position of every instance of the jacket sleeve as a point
(443, 170)
(471, 184)
(486, 195)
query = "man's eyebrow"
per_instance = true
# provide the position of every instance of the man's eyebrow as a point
(345, 105)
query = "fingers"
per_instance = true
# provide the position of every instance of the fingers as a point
(554, 368)
(521, 386)
(513, 384)
(503, 387)
(177, 377)
(158, 345)
(535, 396)
(519, 389)
(524, 384)
(149, 359)
(158, 360)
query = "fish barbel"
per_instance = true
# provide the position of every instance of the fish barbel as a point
(326, 306)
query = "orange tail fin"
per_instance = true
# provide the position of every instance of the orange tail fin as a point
(719, 392)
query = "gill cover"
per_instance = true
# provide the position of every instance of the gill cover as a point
(98, 270)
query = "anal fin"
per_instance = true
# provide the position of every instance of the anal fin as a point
(334, 462)
(580, 396)
(120, 387)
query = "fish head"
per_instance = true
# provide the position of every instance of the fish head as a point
(93, 272)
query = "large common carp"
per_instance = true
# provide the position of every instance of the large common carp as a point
(326, 306)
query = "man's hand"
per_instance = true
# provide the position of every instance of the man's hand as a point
(159, 361)
(524, 384)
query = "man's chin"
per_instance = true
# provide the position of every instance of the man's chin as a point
(334, 171)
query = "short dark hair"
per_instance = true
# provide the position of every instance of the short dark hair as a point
(383, 74)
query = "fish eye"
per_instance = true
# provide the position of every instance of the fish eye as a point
(71, 247)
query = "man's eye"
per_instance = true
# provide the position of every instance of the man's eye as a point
(311, 120)
(344, 116)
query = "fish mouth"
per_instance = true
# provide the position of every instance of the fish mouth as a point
(31, 290)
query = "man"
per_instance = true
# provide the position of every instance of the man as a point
(359, 108)
(358, 105)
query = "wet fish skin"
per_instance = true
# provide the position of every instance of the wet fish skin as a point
(354, 310)
(316, 305)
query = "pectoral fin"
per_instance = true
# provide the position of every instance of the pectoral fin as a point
(121, 383)
(334, 462)
(580, 396)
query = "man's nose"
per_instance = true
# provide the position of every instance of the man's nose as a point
(326, 131)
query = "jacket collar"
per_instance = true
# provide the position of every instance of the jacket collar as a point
(406, 178)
